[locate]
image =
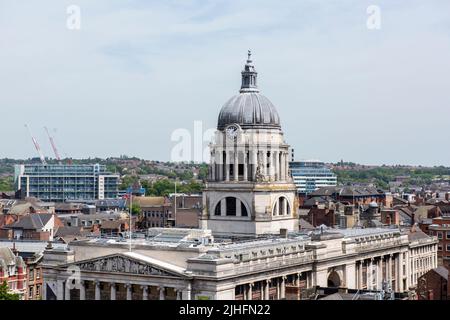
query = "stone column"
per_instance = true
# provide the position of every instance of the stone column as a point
(236, 166)
(220, 164)
(277, 165)
(161, 293)
(113, 291)
(145, 293)
(213, 167)
(264, 161)
(379, 274)
(245, 165)
(283, 287)
(82, 290)
(66, 290)
(238, 208)
(369, 274)
(250, 291)
(226, 163)
(97, 290)
(186, 293)
(60, 290)
(129, 293)
(360, 274)
(223, 207)
(178, 293)
(400, 272)
(266, 290)
(285, 206)
(390, 270)
(254, 164)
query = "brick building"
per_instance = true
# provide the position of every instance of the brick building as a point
(440, 227)
(13, 271)
(433, 285)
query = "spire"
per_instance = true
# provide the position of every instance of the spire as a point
(249, 76)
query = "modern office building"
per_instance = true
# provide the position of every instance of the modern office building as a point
(310, 175)
(61, 182)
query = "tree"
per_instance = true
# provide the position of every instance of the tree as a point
(135, 209)
(5, 295)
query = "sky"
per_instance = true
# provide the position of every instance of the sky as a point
(135, 72)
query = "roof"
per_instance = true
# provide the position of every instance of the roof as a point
(320, 199)
(32, 221)
(442, 271)
(7, 256)
(149, 201)
(249, 109)
(305, 224)
(416, 234)
(69, 231)
(107, 224)
(22, 208)
(347, 191)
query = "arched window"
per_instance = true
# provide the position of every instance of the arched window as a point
(231, 207)
(281, 207)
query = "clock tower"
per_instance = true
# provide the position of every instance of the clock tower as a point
(249, 191)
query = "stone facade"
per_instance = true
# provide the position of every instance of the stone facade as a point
(274, 268)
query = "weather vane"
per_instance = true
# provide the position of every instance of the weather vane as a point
(249, 54)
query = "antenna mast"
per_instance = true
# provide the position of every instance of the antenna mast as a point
(36, 145)
(52, 142)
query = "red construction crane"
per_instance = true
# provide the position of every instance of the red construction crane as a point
(36, 145)
(53, 145)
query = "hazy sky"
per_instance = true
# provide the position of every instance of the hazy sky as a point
(138, 70)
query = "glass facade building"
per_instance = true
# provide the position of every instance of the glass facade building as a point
(310, 175)
(61, 182)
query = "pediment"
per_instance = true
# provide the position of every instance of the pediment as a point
(122, 263)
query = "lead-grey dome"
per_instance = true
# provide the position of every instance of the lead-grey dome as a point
(249, 108)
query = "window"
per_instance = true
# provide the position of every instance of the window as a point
(448, 235)
(243, 210)
(439, 234)
(218, 210)
(231, 206)
(440, 247)
(448, 247)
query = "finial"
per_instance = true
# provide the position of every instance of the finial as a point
(249, 55)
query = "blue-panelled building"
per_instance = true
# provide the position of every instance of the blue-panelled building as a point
(310, 175)
(65, 182)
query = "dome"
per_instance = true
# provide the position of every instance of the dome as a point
(249, 109)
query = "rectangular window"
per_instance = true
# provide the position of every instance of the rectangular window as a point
(448, 235)
(439, 234)
(448, 247)
(439, 247)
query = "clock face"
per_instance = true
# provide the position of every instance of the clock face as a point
(232, 131)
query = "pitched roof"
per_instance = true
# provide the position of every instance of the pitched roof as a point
(305, 224)
(7, 256)
(442, 271)
(32, 221)
(111, 224)
(69, 231)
